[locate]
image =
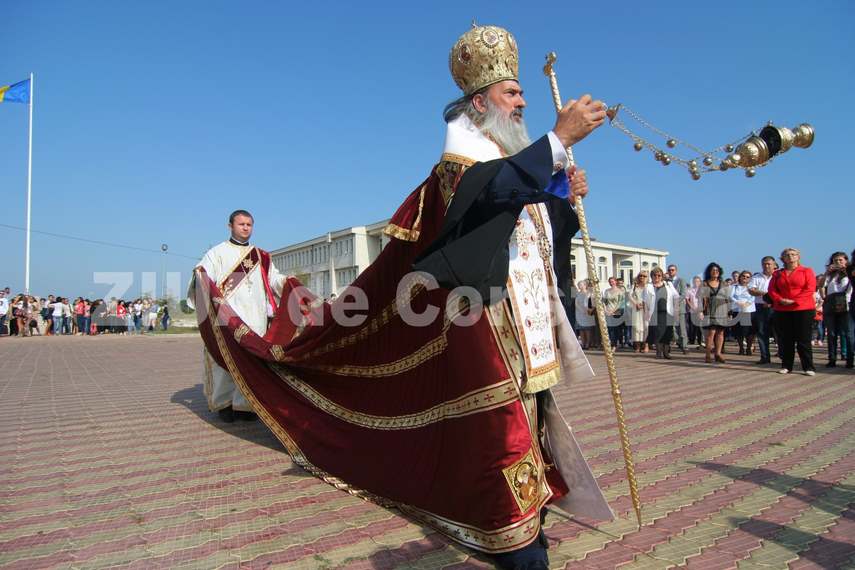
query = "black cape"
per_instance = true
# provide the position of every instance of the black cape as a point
(472, 246)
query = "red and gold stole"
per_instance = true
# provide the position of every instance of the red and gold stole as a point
(235, 276)
(254, 257)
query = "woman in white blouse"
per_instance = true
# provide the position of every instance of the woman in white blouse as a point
(742, 306)
(837, 294)
(661, 328)
(639, 303)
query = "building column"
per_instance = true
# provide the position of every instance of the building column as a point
(333, 280)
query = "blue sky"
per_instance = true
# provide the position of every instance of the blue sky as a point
(154, 120)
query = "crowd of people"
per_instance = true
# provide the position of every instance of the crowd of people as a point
(788, 304)
(27, 315)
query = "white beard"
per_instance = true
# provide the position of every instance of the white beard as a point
(509, 133)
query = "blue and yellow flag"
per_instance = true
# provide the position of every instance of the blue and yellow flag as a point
(17, 93)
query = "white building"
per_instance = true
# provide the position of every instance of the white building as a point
(614, 260)
(330, 262)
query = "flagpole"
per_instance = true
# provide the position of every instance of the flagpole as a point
(29, 193)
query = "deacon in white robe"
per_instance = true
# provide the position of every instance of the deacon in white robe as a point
(235, 265)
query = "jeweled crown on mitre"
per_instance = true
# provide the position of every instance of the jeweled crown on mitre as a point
(482, 56)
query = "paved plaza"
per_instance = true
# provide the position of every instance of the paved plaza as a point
(109, 457)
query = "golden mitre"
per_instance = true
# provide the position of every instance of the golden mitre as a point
(482, 56)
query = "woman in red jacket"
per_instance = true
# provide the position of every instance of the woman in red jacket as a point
(792, 291)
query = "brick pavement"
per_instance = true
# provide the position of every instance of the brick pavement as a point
(111, 459)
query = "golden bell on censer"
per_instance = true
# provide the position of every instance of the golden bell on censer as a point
(752, 152)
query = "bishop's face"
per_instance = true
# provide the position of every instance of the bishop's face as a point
(241, 228)
(507, 96)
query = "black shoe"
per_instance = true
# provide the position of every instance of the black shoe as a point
(227, 415)
(763, 361)
(831, 364)
(245, 416)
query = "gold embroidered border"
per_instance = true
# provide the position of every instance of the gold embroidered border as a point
(277, 352)
(425, 353)
(504, 539)
(524, 480)
(376, 323)
(507, 343)
(449, 174)
(229, 291)
(413, 233)
(484, 399)
(504, 333)
(282, 435)
(419, 357)
(208, 388)
(241, 332)
(400, 233)
(458, 158)
(543, 380)
(235, 266)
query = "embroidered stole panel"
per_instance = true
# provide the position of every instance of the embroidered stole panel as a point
(242, 269)
(531, 281)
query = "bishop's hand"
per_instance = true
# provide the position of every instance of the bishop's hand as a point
(578, 183)
(578, 119)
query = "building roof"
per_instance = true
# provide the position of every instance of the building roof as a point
(370, 229)
(618, 247)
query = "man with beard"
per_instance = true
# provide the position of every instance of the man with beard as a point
(509, 223)
(487, 124)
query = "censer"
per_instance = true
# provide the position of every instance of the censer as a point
(750, 152)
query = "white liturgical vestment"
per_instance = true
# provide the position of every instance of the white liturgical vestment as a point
(250, 301)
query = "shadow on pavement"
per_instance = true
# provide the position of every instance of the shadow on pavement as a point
(194, 400)
(824, 552)
(408, 554)
(809, 491)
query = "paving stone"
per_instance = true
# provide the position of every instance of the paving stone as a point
(123, 465)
